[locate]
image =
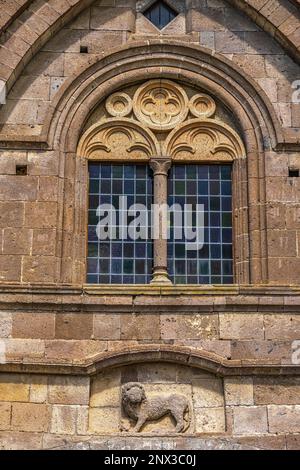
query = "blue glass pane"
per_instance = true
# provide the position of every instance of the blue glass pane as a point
(120, 259)
(209, 185)
(160, 14)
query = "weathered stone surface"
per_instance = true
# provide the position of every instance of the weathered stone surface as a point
(63, 420)
(250, 420)
(241, 326)
(210, 420)
(5, 414)
(74, 326)
(239, 391)
(106, 326)
(13, 389)
(284, 418)
(140, 327)
(282, 391)
(208, 393)
(30, 417)
(69, 390)
(103, 420)
(105, 389)
(33, 325)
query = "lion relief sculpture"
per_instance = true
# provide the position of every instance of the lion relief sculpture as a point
(140, 409)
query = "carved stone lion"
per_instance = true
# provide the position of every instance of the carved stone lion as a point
(141, 409)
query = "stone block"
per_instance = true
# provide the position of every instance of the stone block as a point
(197, 326)
(24, 348)
(13, 388)
(140, 326)
(41, 215)
(33, 325)
(105, 389)
(44, 242)
(69, 390)
(238, 391)
(48, 64)
(20, 440)
(208, 393)
(66, 350)
(284, 419)
(16, 241)
(48, 188)
(168, 326)
(277, 391)
(5, 413)
(63, 420)
(210, 420)
(112, 19)
(33, 417)
(282, 327)
(250, 420)
(157, 373)
(18, 188)
(241, 326)
(104, 420)
(39, 269)
(106, 326)
(38, 389)
(274, 351)
(74, 326)
(43, 163)
(11, 214)
(230, 43)
(5, 324)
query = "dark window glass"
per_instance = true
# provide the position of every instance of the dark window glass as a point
(118, 261)
(160, 14)
(209, 185)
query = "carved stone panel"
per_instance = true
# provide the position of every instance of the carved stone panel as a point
(156, 398)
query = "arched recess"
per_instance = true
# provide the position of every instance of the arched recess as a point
(186, 64)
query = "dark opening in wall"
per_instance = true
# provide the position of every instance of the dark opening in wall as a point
(84, 49)
(293, 173)
(21, 170)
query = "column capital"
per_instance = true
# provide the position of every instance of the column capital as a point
(160, 165)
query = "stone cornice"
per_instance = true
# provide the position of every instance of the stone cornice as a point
(154, 353)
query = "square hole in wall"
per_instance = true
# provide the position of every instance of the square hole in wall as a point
(293, 173)
(21, 170)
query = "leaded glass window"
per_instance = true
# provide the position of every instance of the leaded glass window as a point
(119, 259)
(210, 187)
(122, 259)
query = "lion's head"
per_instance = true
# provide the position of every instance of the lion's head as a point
(133, 392)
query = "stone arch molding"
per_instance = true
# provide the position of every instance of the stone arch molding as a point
(160, 106)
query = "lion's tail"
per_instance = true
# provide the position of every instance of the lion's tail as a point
(187, 416)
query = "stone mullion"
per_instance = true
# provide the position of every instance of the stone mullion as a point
(160, 167)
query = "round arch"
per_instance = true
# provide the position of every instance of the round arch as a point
(191, 65)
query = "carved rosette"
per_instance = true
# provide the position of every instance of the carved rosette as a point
(160, 104)
(119, 104)
(202, 106)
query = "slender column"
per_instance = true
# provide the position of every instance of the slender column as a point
(160, 167)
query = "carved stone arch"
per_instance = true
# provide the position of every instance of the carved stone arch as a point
(118, 139)
(215, 76)
(204, 140)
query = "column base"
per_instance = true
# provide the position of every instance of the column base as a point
(161, 277)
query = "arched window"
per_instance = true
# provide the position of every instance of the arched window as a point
(160, 191)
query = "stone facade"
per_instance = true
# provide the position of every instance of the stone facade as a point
(68, 348)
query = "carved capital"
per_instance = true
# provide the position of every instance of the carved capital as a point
(160, 165)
